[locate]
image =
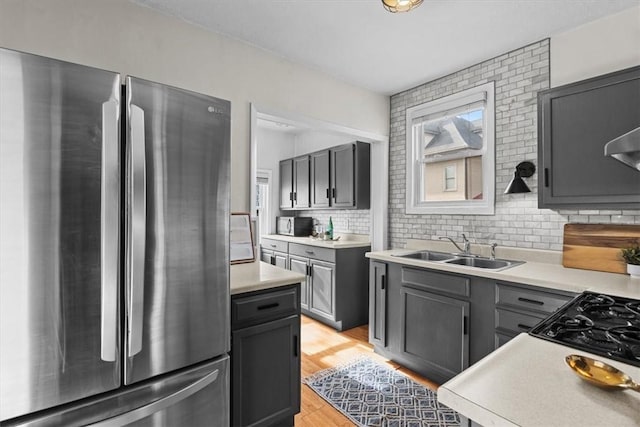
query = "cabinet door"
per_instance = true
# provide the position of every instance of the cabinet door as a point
(301, 182)
(266, 255)
(266, 372)
(378, 303)
(280, 259)
(576, 121)
(320, 185)
(286, 184)
(322, 288)
(342, 176)
(299, 265)
(434, 330)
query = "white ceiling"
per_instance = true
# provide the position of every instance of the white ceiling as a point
(359, 42)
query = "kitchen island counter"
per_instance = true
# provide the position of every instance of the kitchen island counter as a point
(258, 275)
(526, 382)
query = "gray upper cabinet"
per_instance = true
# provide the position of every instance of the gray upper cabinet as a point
(335, 178)
(351, 176)
(574, 124)
(301, 182)
(294, 183)
(286, 184)
(320, 185)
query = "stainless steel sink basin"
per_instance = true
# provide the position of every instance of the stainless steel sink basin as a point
(461, 259)
(486, 263)
(428, 256)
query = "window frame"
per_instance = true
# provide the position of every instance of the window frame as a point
(413, 186)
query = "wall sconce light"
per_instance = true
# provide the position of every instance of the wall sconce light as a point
(517, 185)
(394, 6)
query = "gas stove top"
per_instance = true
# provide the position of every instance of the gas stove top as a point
(600, 324)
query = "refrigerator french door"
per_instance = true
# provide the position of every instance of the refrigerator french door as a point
(114, 207)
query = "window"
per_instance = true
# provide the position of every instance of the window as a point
(450, 154)
(263, 196)
(450, 178)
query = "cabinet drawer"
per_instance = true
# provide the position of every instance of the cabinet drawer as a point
(529, 299)
(442, 282)
(516, 322)
(275, 245)
(263, 307)
(323, 254)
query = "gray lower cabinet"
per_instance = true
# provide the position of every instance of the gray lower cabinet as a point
(433, 330)
(319, 288)
(275, 252)
(265, 357)
(335, 291)
(435, 323)
(378, 304)
(438, 323)
(520, 307)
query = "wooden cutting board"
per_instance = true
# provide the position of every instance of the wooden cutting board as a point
(597, 246)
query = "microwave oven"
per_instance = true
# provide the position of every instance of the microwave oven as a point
(294, 225)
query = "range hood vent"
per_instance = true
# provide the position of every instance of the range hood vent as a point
(625, 148)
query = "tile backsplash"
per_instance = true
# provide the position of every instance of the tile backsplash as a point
(518, 76)
(355, 221)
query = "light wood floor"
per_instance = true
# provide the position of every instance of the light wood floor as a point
(323, 347)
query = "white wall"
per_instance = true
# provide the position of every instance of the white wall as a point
(310, 141)
(120, 36)
(274, 146)
(609, 44)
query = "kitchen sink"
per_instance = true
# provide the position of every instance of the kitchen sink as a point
(461, 259)
(428, 256)
(486, 263)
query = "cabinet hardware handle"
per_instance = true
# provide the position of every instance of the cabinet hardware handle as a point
(311, 270)
(273, 260)
(291, 196)
(327, 193)
(273, 246)
(382, 280)
(333, 193)
(295, 196)
(268, 306)
(295, 346)
(465, 327)
(524, 327)
(546, 177)
(530, 301)
(309, 252)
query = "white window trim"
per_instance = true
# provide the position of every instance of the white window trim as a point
(486, 206)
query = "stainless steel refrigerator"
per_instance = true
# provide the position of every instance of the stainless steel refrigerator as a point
(114, 271)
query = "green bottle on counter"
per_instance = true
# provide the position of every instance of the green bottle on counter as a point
(330, 229)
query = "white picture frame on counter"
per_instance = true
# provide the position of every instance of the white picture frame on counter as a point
(241, 248)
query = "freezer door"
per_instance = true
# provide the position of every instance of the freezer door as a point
(59, 232)
(177, 273)
(197, 396)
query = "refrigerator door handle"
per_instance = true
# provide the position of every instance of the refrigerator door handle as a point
(138, 200)
(146, 410)
(109, 213)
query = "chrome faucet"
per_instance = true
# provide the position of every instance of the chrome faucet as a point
(493, 250)
(467, 244)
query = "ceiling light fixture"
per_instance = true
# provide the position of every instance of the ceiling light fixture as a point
(517, 185)
(394, 6)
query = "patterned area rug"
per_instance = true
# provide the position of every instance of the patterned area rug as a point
(371, 394)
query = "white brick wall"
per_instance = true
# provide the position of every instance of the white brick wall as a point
(518, 76)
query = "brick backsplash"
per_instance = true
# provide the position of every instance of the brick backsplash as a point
(344, 221)
(518, 76)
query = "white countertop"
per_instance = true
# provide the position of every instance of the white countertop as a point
(258, 275)
(526, 382)
(346, 241)
(543, 274)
